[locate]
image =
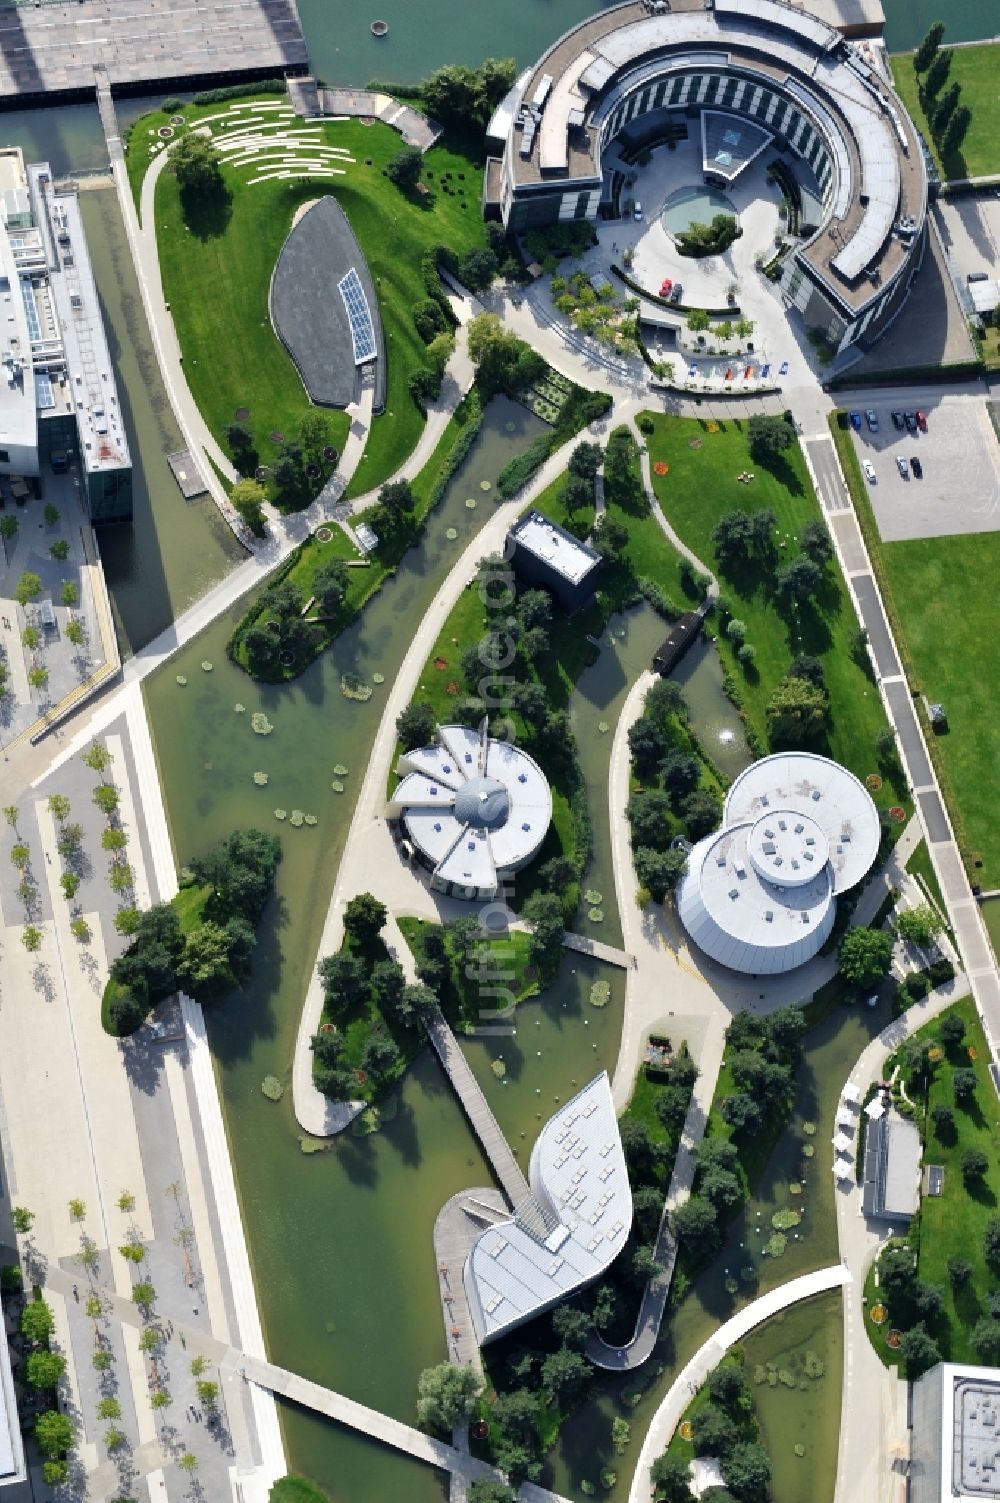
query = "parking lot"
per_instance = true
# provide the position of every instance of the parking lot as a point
(960, 457)
(970, 228)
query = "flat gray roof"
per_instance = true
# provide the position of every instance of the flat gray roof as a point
(555, 546)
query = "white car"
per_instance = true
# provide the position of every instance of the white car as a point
(637, 210)
(902, 466)
(869, 469)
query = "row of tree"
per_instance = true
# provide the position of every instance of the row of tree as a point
(948, 119)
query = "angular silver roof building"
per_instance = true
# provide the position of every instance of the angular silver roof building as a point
(759, 894)
(574, 1225)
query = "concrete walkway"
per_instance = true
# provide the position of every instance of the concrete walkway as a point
(683, 1389)
(963, 911)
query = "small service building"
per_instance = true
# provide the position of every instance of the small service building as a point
(545, 556)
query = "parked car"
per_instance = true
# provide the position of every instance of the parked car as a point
(917, 467)
(897, 421)
(902, 466)
(676, 292)
(911, 421)
(872, 420)
(637, 210)
(856, 421)
(869, 469)
(922, 421)
(666, 286)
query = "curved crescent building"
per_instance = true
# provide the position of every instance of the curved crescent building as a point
(753, 74)
(759, 895)
(475, 809)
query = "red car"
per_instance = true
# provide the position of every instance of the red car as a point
(665, 286)
(922, 421)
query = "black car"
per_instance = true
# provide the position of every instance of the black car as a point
(917, 468)
(897, 421)
(911, 421)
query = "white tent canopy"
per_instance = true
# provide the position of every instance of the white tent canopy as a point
(875, 1108)
(842, 1142)
(851, 1092)
(845, 1117)
(843, 1171)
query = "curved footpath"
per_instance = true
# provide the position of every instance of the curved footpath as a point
(682, 1390)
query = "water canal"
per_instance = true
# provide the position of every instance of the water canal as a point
(174, 549)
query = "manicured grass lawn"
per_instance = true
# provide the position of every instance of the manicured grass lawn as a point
(977, 70)
(919, 865)
(952, 1223)
(217, 276)
(699, 488)
(941, 597)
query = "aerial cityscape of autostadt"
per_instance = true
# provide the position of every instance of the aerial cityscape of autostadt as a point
(499, 857)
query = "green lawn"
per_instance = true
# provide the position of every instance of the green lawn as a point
(977, 69)
(919, 865)
(364, 582)
(952, 1224)
(217, 276)
(699, 488)
(940, 594)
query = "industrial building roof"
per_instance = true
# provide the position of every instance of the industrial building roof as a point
(474, 807)
(579, 1179)
(18, 423)
(893, 1151)
(960, 1462)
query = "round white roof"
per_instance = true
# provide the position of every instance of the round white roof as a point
(803, 784)
(787, 848)
(474, 807)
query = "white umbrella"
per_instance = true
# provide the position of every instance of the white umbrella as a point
(842, 1142)
(875, 1108)
(851, 1092)
(845, 1117)
(843, 1171)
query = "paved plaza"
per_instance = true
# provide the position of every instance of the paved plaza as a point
(970, 229)
(959, 442)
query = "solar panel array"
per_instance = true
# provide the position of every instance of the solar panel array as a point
(43, 391)
(30, 308)
(359, 317)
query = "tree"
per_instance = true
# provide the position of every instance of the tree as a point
(963, 1083)
(208, 1393)
(544, 913)
(742, 1113)
(446, 1396)
(477, 268)
(815, 542)
(364, 917)
(564, 1373)
(721, 1187)
(991, 1241)
(53, 1434)
(945, 108)
(248, 497)
(927, 51)
(951, 1030)
(405, 167)
(935, 77)
(197, 165)
(974, 1165)
(679, 773)
(728, 1386)
(642, 1155)
(38, 677)
(958, 125)
(585, 460)
(671, 1477)
(769, 437)
(380, 1058)
(918, 1350)
(416, 725)
(798, 581)
(865, 955)
(959, 1271)
(695, 1223)
(44, 1369)
(796, 713)
(489, 1490)
(746, 1471)
(28, 586)
(649, 814)
(943, 1119)
(466, 97)
(647, 742)
(106, 797)
(713, 1433)
(330, 587)
(8, 530)
(31, 637)
(731, 536)
(188, 1463)
(659, 871)
(23, 1220)
(69, 593)
(920, 925)
(701, 812)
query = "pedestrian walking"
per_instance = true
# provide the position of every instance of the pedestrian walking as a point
(183, 1341)
(76, 1294)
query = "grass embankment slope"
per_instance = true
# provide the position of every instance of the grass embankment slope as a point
(940, 594)
(699, 488)
(976, 69)
(363, 582)
(217, 273)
